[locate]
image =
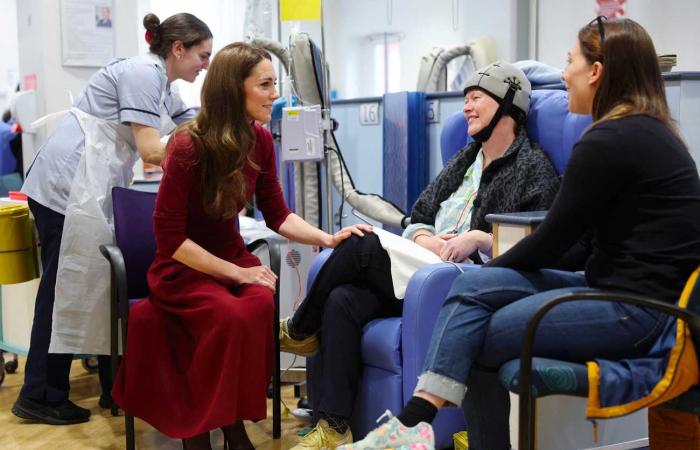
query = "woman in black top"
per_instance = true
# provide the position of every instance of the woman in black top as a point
(631, 182)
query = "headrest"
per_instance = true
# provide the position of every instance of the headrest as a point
(453, 136)
(549, 123)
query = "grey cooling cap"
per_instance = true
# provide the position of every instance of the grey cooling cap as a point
(496, 78)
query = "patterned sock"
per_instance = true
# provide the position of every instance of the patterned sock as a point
(338, 423)
(417, 410)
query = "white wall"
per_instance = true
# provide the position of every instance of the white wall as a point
(672, 24)
(348, 23)
(40, 41)
(224, 19)
(424, 24)
(9, 63)
(39, 29)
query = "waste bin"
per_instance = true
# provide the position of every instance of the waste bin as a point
(18, 262)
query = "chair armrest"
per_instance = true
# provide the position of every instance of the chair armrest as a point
(118, 269)
(425, 294)
(532, 218)
(273, 243)
(526, 438)
(316, 264)
(509, 228)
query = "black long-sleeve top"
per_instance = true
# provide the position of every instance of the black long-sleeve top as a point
(636, 187)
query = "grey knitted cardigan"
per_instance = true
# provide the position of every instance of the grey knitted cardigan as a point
(523, 179)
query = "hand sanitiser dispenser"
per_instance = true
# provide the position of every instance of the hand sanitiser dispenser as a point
(302, 133)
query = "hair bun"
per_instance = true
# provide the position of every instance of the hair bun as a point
(151, 22)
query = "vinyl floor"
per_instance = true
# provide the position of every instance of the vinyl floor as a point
(106, 432)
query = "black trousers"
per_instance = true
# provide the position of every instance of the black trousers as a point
(46, 375)
(353, 288)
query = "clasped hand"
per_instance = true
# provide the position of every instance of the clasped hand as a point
(457, 247)
(261, 275)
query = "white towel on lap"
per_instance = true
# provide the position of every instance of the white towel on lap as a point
(406, 258)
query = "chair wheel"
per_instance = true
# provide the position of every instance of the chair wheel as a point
(90, 364)
(11, 366)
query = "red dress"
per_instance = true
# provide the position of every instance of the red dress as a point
(199, 353)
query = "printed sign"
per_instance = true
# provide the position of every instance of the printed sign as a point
(87, 33)
(433, 111)
(369, 114)
(300, 10)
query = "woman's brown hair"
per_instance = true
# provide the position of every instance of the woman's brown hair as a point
(182, 27)
(631, 81)
(222, 130)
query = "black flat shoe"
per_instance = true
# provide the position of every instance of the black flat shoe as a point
(236, 438)
(64, 413)
(105, 401)
(199, 442)
(227, 446)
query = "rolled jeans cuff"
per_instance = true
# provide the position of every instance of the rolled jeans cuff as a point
(443, 387)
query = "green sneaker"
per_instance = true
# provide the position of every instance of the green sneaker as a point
(323, 437)
(302, 347)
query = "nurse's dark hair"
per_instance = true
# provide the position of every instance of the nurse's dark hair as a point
(179, 27)
(631, 81)
(222, 130)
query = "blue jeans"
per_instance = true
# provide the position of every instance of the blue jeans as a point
(482, 324)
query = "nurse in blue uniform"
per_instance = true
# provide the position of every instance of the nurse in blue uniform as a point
(122, 113)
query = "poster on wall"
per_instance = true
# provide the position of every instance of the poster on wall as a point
(87, 32)
(612, 9)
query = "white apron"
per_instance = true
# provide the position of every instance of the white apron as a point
(82, 305)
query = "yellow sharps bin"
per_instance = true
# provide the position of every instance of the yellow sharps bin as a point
(18, 261)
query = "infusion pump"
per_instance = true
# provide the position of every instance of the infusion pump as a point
(302, 133)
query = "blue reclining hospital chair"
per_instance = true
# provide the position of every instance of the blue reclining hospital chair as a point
(393, 349)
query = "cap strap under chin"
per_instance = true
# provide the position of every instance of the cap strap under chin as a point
(503, 110)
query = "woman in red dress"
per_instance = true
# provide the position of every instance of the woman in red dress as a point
(199, 351)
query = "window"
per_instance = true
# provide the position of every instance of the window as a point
(386, 63)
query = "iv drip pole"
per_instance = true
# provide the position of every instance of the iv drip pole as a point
(303, 63)
(326, 120)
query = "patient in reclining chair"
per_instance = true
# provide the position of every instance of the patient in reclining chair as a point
(501, 171)
(632, 184)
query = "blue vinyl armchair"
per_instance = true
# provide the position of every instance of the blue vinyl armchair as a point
(393, 349)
